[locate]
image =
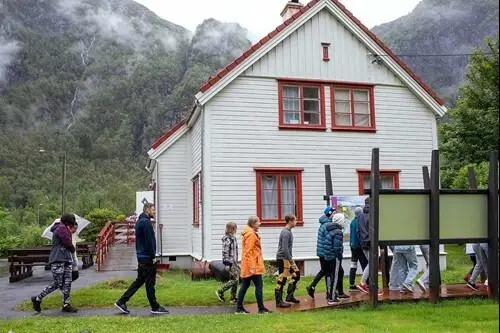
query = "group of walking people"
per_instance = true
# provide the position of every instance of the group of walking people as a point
(329, 249)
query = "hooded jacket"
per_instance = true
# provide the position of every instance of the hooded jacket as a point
(363, 227)
(252, 262)
(334, 248)
(62, 245)
(145, 241)
(321, 240)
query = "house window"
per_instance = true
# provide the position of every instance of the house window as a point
(389, 180)
(353, 108)
(279, 193)
(301, 105)
(196, 200)
(326, 55)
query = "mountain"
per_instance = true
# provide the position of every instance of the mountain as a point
(441, 27)
(99, 79)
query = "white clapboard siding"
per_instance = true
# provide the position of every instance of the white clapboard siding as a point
(196, 147)
(244, 134)
(174, 211)
(301, 55)
(195, 170)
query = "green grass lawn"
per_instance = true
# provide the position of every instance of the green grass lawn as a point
(471, 315)
(175, 288)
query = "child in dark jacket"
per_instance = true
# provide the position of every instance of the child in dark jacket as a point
(230, 260)
(356, 250)
(334, 248)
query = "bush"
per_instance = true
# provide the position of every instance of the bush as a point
(461, 180)
(98, 217)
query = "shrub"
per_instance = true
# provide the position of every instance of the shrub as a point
(98, 217)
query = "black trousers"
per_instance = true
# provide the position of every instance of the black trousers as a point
(321, 274)
(146, 274)
(356, 255)
(245, 284)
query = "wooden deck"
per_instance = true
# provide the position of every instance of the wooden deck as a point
(358, 297)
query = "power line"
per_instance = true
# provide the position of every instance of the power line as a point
(435, 55)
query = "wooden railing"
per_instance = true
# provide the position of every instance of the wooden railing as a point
(105, 239)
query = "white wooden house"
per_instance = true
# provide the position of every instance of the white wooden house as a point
(320, 89)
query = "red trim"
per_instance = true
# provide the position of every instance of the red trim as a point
(275, 169)
(353, 127)
(385, 172)
(301, 85)
(167, 134)
(196, 200)
(207, 85)
(278, 172)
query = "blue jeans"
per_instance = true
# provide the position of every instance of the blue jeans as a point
(245, 284)
(404, 268)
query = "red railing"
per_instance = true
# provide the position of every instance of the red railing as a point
(105, 239)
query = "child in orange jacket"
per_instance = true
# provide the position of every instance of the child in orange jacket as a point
(252, 265)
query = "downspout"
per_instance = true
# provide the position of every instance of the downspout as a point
(202, 179)
(157, 203)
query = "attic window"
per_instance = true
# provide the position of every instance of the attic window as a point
(326, 55)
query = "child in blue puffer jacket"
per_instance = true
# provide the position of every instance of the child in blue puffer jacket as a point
(333, 251)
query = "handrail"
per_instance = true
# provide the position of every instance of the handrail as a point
(105, 239)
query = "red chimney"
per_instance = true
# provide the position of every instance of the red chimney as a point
(290, 9)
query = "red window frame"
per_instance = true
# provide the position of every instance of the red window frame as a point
(301, 85)
(362, 173)
(196, 200)
(278, 172)
(326, 55)
(353, 127)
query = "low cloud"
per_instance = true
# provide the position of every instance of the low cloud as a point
(8, 52)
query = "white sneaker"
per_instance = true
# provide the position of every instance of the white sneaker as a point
(421, 285)
(486, 283)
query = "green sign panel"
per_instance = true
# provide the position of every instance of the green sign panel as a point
(403, 217)
(463, 216)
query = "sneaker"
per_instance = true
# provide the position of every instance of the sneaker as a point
(343, 296)
(220, 296)
(421, 285)
(333, 301)
(233, 301)
(283, 305)
(264, 311)
(241, 311)
(310, 291)
(472, 286)
(407, 288)
(122, 307)
(160, 310)
(37, 305)
(363, 287)
(68, 308)
(486, 283)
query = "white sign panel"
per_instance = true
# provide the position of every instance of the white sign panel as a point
(142, 198)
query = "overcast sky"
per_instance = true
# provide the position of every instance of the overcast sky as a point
(262, 16)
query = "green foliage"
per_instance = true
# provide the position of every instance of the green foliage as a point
(472, 134)
(19, 229)
(461, 180)
(99, 217)
(104, 111)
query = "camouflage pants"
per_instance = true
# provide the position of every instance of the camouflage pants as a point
(234, 274)
(61, 273)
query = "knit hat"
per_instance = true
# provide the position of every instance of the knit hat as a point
(329, 211)
(339, 219)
